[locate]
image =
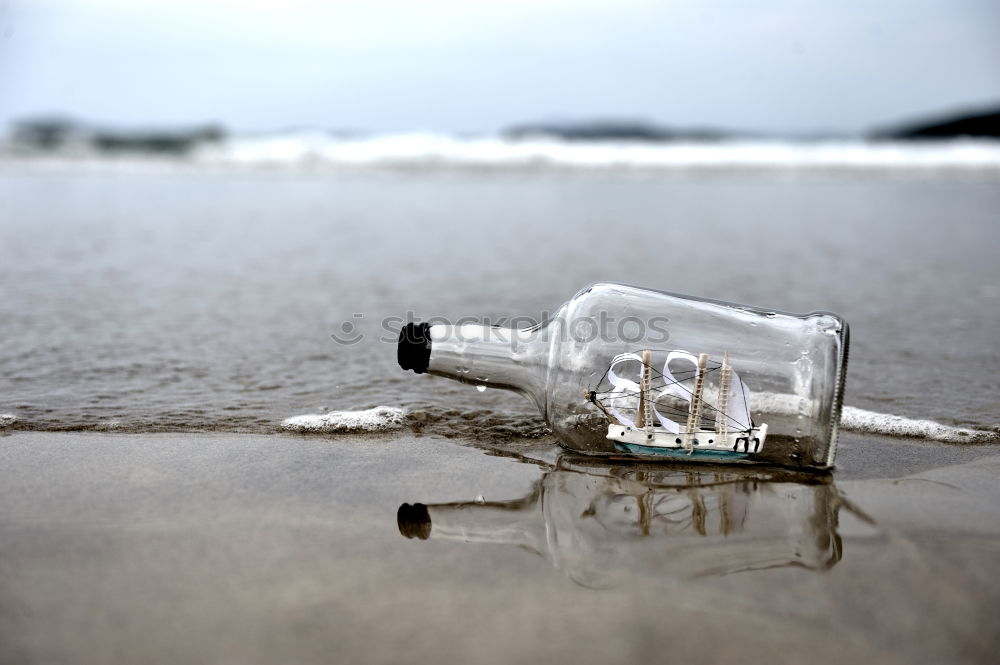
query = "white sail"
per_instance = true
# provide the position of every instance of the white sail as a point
(674, 387)
(625, 393)
(737, 408)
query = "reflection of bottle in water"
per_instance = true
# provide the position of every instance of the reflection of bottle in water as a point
(622, 370)
(600, 523)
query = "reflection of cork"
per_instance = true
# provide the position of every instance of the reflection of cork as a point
(414, 521)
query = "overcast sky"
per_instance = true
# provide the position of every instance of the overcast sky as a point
(476, 65)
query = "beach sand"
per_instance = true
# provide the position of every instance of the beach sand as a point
(166, 548)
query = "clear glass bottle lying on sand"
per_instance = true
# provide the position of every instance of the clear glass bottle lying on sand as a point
(637, 373)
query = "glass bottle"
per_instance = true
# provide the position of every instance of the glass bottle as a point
(624, 371)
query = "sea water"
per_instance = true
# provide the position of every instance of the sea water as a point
(239, 288)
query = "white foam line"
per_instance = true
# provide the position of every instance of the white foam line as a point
(430, 149)
(859, 420)
(872, 422)
(6, 419)
(379, 419)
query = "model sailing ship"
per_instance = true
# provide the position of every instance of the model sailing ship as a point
(643, 417)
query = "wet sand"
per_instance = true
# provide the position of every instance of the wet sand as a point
(167, 548)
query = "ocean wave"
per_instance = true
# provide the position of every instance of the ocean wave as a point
(404, 150)
(378, 419)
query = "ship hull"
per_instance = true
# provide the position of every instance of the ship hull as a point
(679, 453)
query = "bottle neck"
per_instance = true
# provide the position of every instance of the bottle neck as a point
(491, 357)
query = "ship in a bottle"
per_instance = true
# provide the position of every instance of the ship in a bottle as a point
(694, 406)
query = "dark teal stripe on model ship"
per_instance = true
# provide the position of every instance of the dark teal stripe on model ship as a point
(636, 449)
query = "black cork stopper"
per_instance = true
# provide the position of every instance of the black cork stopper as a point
(414, 350)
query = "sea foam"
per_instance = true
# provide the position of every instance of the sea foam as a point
(870, 422)
(854, 419)
(6, 419)
(422, 150)
(387, 418)
(379, 419)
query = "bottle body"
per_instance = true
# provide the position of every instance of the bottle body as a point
(586, 365)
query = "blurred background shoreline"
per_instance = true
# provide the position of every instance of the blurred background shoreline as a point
(968, 141)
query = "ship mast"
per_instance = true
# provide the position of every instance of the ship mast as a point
(644, 419)
(725, 378)
(694, 414)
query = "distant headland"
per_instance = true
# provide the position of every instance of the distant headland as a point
(984, 123)
(615, 130)
(55, 133)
